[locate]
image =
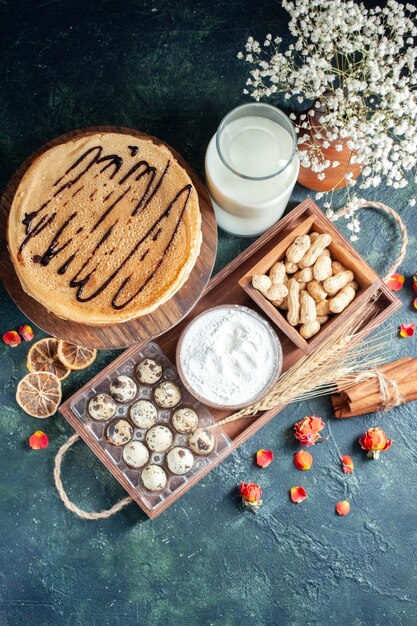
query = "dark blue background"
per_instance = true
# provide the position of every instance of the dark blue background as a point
(169, 68)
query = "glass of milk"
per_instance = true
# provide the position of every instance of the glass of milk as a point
(251, 168)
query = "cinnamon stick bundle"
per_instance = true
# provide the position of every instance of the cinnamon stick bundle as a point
(368, 396)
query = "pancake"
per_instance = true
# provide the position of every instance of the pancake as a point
(104, 228)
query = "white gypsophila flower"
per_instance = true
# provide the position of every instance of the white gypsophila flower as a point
(354, 69)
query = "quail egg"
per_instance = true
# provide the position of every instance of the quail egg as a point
(185, 420)
(123, 388)
(159, 438)
(202, 441)
(179, 460)
(102, 407)
(143, 414)
(154, 478)
(148, 371)
(167, 394)
(119, 432)
(135, 454)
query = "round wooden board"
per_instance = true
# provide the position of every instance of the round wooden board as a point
(134, 331)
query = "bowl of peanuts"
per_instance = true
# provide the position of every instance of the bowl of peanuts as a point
(307, 282)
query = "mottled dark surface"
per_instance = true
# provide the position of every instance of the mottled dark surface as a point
(170, 69)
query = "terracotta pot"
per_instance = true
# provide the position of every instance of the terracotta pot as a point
(335, 176)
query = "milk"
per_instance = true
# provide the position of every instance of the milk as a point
(250, 199)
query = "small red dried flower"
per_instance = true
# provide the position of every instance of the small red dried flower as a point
(395, 282)
(307, 431)
(303, 460)
(347, 464)
(38, 440)
(407, 330)
(343, 507)
(415, 282)
(375, 441)
(11, 338)
(264, 458)
(26, 332)
(415, 303)
(298, 494)
(251, 495)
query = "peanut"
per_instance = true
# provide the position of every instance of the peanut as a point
(284, 304)
(322, 267)
(308, 284)
(305, 275)
(353, 284)
(293, 302)
(261, 282)
(335, 283)
(323, 308)
(337, 267)
(315, 250)
(342, 299)
(277, 273)
(291, 267)
(309, 330)
(316, 291)
(298, 248)
(276, 294)
(308, 311)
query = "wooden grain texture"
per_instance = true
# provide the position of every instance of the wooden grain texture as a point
(135, 331)
(225, 288)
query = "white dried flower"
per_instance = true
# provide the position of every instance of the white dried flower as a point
(354, 68)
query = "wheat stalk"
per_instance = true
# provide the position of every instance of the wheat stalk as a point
(343, 355)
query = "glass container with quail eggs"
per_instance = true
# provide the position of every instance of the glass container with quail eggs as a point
(149, 425)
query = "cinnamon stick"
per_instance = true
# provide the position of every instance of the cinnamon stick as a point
(344, 411)
(406, 389)
(382, 368)
(399, 373)
(365, 396)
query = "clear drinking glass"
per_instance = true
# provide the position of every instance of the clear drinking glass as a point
(251, 168)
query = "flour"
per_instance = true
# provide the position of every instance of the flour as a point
(228, 356)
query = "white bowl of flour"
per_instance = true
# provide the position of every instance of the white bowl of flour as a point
(229, 357)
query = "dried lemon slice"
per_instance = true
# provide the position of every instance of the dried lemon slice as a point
(39, 394)
(75, 357)
(43, 357)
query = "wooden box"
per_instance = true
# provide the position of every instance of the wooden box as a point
(312, 219)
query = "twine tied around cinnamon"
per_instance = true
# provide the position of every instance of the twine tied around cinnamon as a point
(390, 395)
(388, 389)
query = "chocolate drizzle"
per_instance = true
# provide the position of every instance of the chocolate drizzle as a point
(112, 162)
(66, 265)
(38, 228)
(28, 220)
(52, 250)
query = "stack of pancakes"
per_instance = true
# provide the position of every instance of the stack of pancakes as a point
(104, 228)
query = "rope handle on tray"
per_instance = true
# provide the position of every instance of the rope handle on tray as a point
(363, 204)
(93, 515)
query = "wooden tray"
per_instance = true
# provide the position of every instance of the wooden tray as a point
(123, 334)
(224, 288)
